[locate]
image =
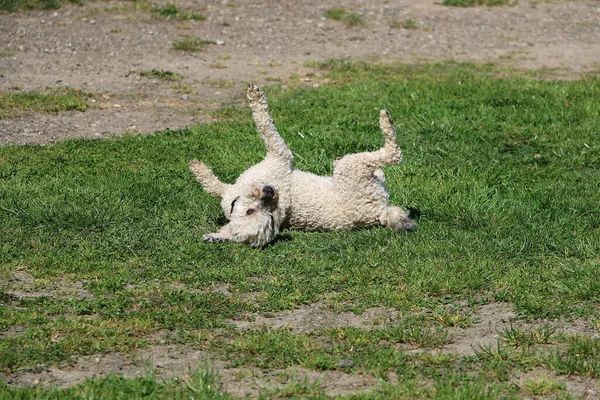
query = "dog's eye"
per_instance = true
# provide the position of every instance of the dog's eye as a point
(249, 211)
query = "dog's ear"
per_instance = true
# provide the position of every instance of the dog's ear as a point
(207, 179)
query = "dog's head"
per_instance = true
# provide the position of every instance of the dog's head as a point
(253, 216)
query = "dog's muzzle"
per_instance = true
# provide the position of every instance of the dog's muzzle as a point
(268, 193)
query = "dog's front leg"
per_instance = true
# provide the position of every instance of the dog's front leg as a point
(207, 179)
(222, 235)
(262, 118)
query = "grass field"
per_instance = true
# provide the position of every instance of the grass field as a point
(502, 168)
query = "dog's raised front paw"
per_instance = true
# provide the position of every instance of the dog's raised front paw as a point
(254, 92)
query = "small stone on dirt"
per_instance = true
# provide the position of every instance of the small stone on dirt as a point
(346, 364)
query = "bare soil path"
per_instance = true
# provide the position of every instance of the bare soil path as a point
(102, 47)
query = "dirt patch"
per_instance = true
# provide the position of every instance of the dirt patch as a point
(489, 321)
(169, 361)
(103, 46)
(13, 332)
(312, 317)
(22, 285)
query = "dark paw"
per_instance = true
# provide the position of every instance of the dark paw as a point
(388, 116)
(407, 225)
(414, 213)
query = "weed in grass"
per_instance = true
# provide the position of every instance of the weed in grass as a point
(204, 383)
(294, 387)
(406, 24)
(415, 333)
(191, 44)
(543, 386)
(49, 101)
(336, 14)
(183, 88)
(453, 318)
(498, 352)
(517, 337)
(161, 74)
(353, 19)
(220, 83)
(467, 388)
(217, 66)
(573, 364)
(342, 15)
(499, 361)
(172, 11)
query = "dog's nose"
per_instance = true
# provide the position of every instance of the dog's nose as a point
(268, 192)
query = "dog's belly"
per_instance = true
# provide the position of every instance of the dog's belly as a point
(317, 204)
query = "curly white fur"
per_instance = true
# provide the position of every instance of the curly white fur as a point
(273, 195)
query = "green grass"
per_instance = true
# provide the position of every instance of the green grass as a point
(172, 11)
(18, 5)
(14, 104)
(202, 383)
(190, 44)
(342, 15)
(161, 74)
(504, 170)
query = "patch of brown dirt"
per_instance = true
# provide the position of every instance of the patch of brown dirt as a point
(22, 285)
(317, 316)
(102, 46)
(169, 361)
(491, 320)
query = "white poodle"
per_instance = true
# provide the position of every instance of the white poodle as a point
(273, 195)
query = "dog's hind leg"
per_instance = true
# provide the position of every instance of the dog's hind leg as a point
(396, 218)
(260, 112)
(367, 164)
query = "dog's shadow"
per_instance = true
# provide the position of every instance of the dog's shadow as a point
(414, 213)
(282, 237)
(285, 237)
